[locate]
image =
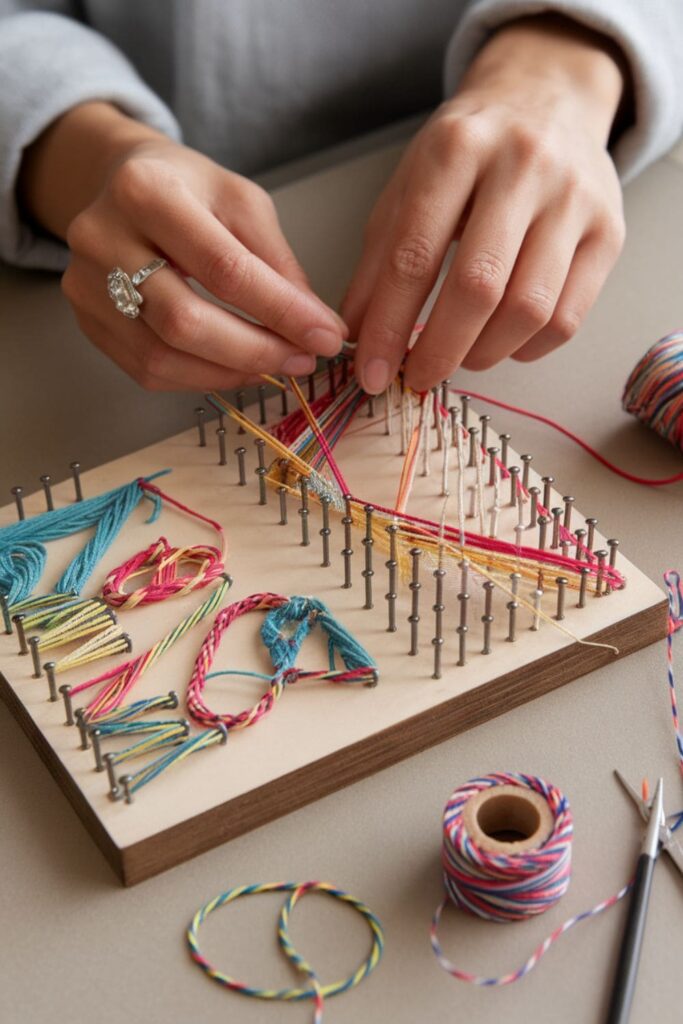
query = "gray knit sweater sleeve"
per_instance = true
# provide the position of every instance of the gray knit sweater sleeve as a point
(650, 35)
(48, 64)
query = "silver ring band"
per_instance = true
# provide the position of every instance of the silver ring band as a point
(123, 291)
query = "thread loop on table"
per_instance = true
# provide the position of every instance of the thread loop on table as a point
(317, 991)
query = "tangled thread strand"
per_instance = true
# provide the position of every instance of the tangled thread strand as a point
(317, 991)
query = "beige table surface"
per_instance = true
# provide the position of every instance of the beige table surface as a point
(77, 948)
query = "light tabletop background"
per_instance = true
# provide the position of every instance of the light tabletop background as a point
(79, 948)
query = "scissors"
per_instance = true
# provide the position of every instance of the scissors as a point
(670, 841)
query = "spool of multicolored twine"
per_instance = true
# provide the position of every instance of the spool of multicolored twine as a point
(654, 390)
(506, 856)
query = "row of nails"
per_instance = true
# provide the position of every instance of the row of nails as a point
(46, 480)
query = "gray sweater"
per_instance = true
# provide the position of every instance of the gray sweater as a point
(253, 83)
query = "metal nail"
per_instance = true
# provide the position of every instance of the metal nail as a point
(548, 482)
(585, 573)
(515, 578)
(126, 781)
(261, 452)
(536, 621)
(200, 413)
(240, 453)
(65, 691)
(75, 468)
(222, 460)
(282, 491)
(414, 586)
(368, 542)
(304, 512)
(284, 406)
(504, 448)
(6, 617)
(473, 432)
(612, 544)
(46, 481)
(465, 406)
(557, 516)
(493, 454)
(445, 390)
(261, 395)
(33, 642)
(462, 629)
(533, 513)
(487, 617)
(114, 790)
(79, 715)
(562, 582)
(49, 667)
(392, 566)
(590, 541)
(438, 609)
(526, 460)
(454, 413)
(568, 504)
(18, 492)
(602, 558)
(325, 532)
(18, 621)
(514, 481)
(347, 550)
(95, 735)
(484, 421)
(512, 607)
(580, 545)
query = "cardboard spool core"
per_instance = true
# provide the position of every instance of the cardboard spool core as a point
(507, 819)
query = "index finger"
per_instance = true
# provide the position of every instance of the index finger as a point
(413, 257)
(186, 231)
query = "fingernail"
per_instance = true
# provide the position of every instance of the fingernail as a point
(375, 375)
(299, 365)
(322, 341)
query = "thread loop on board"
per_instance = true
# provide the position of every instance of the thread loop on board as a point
(284, 629)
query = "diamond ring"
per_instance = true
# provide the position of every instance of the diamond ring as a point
(123, 291)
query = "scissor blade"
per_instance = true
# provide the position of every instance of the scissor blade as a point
(643, 808)
(672, 845)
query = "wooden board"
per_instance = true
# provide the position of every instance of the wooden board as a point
(319, 737)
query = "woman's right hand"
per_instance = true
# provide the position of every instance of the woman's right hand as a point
(146, 196)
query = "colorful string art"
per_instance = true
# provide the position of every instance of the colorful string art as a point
(63, 617)
(304, 441)
(654, 390)
(285, 627)
(500, 885)
(163, 562)
(317, 991)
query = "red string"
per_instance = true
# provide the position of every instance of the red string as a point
(634, 478)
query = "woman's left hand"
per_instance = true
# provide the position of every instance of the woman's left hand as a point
(516, 167)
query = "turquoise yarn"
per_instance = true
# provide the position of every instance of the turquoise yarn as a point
(22, 544)
(284, 630)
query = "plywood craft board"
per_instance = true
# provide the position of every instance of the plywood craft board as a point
(319, 737)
